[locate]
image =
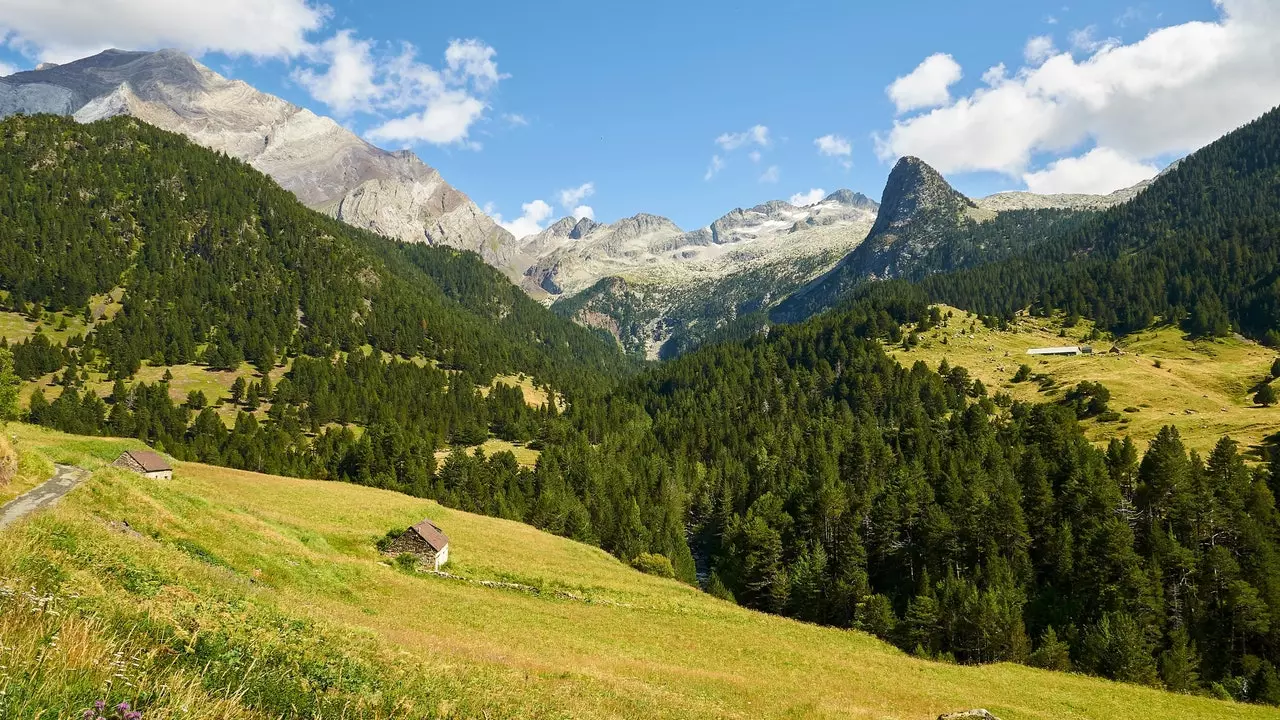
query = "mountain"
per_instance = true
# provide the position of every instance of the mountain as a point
(212, 262)
(924, 226)
(1199, 247)
(653, 286)
(325, 165)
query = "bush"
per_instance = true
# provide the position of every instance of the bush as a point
(654, 564)
(1023, 374)
(407, 562)
(1109, 416)
(1266, 396)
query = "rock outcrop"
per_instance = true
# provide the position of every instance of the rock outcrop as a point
(328, 167)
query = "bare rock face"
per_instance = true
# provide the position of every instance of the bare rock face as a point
(325, 165)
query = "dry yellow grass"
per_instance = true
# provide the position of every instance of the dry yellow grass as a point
(631, 645)
(1203, 388)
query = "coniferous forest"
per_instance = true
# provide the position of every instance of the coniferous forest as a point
(799, 471)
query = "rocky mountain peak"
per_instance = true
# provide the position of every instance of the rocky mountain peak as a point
(851, 198)
(583, 228)
(643, 224)
(914, 188)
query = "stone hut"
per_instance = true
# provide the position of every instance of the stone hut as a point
(145, 463)
(425, 541)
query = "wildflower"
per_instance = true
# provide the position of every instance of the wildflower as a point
(123, 707)
(100, 705)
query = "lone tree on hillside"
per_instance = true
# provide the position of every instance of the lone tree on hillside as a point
(1266, 396)
(1275, 369)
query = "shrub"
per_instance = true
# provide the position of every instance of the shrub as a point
(1275, 369)
(1023, 374)
(1109, 416)
(1266, 396)
(654, 564)
(407, 562)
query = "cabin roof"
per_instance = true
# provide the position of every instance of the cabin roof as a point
(149, 461)
(432, 534)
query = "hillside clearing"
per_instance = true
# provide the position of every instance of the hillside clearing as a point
(1203, 388)
(256, 563)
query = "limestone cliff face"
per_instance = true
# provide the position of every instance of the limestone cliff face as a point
(328, 167)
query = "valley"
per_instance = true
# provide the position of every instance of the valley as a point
(815, 422)
(239, 572)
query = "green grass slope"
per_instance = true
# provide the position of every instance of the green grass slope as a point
(236, 595)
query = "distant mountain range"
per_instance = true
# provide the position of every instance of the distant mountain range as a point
(655, 287)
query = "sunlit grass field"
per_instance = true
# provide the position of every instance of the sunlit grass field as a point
(1204, 388)
(245, 595)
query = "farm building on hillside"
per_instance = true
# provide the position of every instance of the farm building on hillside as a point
(1067, 350)
(425, 541)
(145, 463)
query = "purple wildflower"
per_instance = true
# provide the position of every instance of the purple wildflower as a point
(134, 715)
(123, 707)
(100, 705)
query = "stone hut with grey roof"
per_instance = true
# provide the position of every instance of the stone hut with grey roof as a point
(146, 463)
(425, 541)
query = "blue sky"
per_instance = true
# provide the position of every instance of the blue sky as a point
(644, 100)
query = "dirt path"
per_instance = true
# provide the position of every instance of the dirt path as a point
(43, 495)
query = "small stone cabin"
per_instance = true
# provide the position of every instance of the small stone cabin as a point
(425, 541)
(145, 463)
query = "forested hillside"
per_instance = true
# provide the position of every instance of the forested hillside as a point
(1201, 246)
(219, 264)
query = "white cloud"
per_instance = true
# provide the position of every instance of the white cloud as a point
(1038, 49)
(717, 164)
(584, 211)
(1099, 171)
(756, 135)
(755, 156)
(833, 146)
(446, 119)
(808, 198)
(472, 61)
(926, 86)
(1083, 40)
(349, 82)
(64, 30)
(573, 196)
(1173, 91)
(515, 119)
(771, 175)
(7, 69)
(448, 102)
(536, 212)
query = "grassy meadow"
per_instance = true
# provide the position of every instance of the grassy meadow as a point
(1204, 388)
(236, 595)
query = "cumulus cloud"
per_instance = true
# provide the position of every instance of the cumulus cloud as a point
(1173, 91)
(1101, 170)
(64, 30)
(771, 175)
(573, 196)
(756, 135)
(833, 146)
(7, 69)
(808, 198)
(349, 81)
(443, 103)
(1038, 49)
(714, 168)
(584, 211)
(926, 86)
(536, 212)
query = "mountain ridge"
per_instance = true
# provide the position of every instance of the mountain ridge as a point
(326, 166)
